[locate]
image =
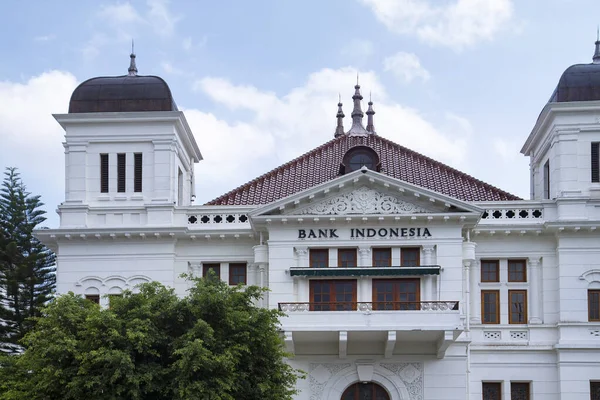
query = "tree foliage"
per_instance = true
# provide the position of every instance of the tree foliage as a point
(27, 278)
(213, 344)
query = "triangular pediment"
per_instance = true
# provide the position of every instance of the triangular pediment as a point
(365, 192)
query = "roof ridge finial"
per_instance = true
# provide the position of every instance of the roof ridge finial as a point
(596, 57)
(132, 70)
(339, 130)
(357, 128)
(370, 112)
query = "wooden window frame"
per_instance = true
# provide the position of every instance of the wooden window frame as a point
(497, 320)
(594, 307)
(333, 304)
(137, 172)
(517, 262)
(407, 249)
(496, 384)
(387, 250)
(232, 276)
(121, 172)
(527, 385)
(348, 251)
(104, 173)
(397, 305)
(510, 306)
(482, 274)
(313, 252)
(94, 298)
(207, 266)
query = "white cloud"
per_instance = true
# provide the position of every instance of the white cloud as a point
(457, 24)
(406, 67)
(506, 150)
(44, 38)
(268, 129)
(358, 49)
(31, 138)
(122, 22)
(122, 13)
(161, 18)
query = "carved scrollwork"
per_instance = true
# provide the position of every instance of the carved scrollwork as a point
(363, 201)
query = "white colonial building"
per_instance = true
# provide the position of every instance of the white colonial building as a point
(401, 277)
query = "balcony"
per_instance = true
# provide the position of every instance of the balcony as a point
(365, 271)
(371, 306)
(371, 327)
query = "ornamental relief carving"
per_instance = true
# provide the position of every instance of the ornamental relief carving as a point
(411, 375)
(363, 201)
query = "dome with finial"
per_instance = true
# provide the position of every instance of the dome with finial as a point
(580, 82)
(125, 93)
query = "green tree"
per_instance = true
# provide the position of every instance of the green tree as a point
(213, 344)
(27, 267)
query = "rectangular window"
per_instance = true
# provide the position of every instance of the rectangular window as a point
(491, 390)
(382, 257)
(94, 298)
(347, 258)
(490, 310)
(490, 271)
(332, 295)
(595, 162)
(103, 173)
(319, 258)
(519, 391)
(409, 256)
(517, 300)
(594, 305)
(237, 273)
(396, 294)
(214, 267)
(595, 390)
(547, 180)
(137, 172)
(121, 172)
(517, 271)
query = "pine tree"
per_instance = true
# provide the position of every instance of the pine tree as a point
(27, 267)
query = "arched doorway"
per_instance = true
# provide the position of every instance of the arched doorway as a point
(365, 391)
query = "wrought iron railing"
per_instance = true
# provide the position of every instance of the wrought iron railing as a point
(371, 306)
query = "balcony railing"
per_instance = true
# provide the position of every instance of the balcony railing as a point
(371, 306)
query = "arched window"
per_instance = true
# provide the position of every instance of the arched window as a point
(365, 391)
(357, 157)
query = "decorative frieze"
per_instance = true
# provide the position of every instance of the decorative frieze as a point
(363, 201)
(216, 218)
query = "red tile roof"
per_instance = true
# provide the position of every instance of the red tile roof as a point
(322, 164)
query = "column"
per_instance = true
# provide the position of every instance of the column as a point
(302, 254)
(465, 306)
(430, 287)
(252, 268)
(364, 254)
(475, 277)
(535, 295)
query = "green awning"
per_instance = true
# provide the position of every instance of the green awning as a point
(366, 271)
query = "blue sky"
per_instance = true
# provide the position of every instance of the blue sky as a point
(461, 81)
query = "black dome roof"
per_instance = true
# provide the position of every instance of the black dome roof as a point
(579, 82)
(126, 93)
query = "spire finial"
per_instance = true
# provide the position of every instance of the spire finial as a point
(339, 130)
(132, 70)
(370, 113)
(357, 128)
(596, 57)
